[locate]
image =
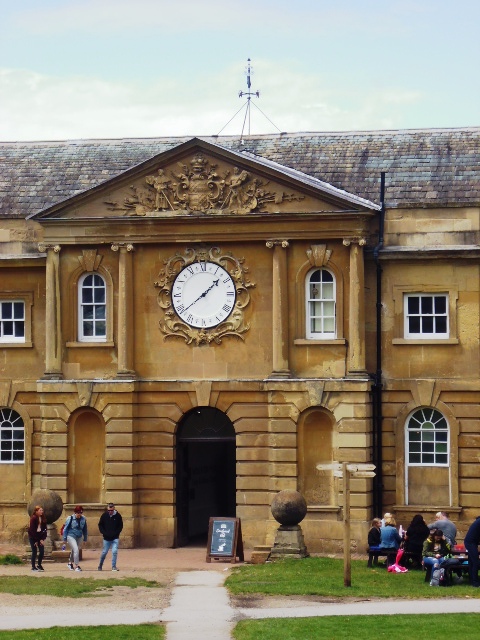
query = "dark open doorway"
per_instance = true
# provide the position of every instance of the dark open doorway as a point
(205, 473)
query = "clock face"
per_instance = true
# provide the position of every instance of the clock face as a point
(203, 294)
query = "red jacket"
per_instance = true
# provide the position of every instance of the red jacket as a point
(32, 529)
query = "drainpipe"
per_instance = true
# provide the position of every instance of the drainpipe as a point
(377, 384)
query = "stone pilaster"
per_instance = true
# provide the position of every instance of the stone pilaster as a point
(356, 341)
(125, 329)
(281, 367)
(53, 331)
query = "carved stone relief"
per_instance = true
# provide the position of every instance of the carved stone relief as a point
(198, 188)
(318, 255)
(90, 259)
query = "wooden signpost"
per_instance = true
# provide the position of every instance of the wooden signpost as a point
(347, 470)
(225, 539)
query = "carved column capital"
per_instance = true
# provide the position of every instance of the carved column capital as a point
(43, 248)
(116, 246)
(277, 243)
(360, 241)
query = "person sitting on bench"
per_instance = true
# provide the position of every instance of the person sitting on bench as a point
(415, 535)
(435, 548)
(390, 539)
(374, 535)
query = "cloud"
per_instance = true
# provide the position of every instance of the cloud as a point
(187, 16)
(145, 15)
(37, 106)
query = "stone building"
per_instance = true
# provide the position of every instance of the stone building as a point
(188, 326)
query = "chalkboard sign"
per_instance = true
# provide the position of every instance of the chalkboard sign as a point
(225, 539)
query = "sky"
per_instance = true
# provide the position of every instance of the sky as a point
(76, 69)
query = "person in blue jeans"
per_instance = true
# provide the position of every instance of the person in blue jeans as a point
(75, 529)
(435, 548)
(110, 526)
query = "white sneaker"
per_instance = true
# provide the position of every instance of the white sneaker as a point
(70, 566)
(77, 569)
(115, 569)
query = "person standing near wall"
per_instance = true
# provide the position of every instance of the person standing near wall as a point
(74, 530)
(471, 542)
(37, 533)
(110, 526)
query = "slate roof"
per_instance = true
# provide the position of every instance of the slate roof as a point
(425, 168)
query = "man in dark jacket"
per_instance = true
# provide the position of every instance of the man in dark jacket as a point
(110, 526)
(471, 542)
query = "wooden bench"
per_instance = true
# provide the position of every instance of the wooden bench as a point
(408, 558)
(374, 554)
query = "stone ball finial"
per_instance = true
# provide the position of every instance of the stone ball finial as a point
(50, 501)
(289, 508)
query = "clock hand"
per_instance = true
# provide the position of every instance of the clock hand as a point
(214, 284)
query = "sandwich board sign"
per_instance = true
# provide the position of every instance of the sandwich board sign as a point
(225, 539)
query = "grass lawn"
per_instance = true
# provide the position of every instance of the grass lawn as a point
(119, 632)
(66, 587)
(324, 577)
(422, 627)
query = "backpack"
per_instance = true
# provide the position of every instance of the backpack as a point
(439, 578)
(62, 529)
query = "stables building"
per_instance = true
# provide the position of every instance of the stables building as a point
(190, 325)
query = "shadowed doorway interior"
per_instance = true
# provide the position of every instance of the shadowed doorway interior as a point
(205, 473)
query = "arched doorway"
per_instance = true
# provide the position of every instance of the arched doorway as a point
(205, 472)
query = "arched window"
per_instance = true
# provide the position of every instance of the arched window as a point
(427, 438)
(92, 308)
(427, 449)
(320, 300)
(12, 436)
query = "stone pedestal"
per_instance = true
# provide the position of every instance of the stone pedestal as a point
(289, 543)
(49, 542)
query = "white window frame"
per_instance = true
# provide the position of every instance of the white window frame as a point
(12, 421)
(417, 422)
(11, 338)
(317, 335)
(423, 335)
(82, 337)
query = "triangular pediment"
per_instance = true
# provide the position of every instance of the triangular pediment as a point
(201, 178)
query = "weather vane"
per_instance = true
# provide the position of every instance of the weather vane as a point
(249, 94)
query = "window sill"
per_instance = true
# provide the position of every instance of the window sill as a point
(15, 345)
(425, 341)
(307, 342)
(315, 508)
(90, 344)
(416, 508)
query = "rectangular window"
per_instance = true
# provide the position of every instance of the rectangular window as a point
(426, 316)
(12, 321)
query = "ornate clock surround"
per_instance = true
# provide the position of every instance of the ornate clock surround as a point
(234, 326)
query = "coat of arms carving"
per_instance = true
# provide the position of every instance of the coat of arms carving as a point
(198, 187)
